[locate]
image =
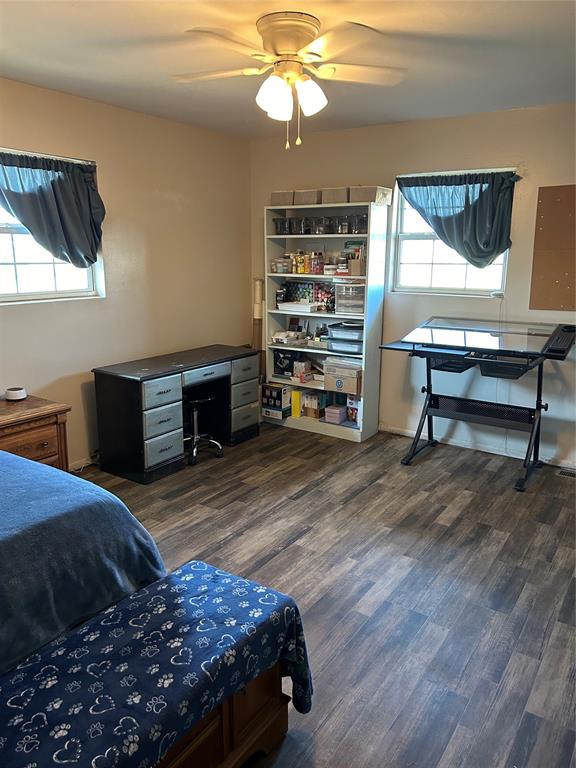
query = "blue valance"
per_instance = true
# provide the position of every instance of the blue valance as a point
(58, 203)
(470, 212)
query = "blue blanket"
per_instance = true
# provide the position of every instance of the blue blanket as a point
(68, 549)
(124, 687)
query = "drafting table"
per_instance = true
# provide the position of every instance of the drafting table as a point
(504, 350)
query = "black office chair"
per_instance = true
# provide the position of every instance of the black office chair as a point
(197, 438)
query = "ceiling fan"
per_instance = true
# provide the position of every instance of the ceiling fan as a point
(296, 55)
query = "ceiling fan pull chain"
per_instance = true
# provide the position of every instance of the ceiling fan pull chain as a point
(298, 139)
(287, 145)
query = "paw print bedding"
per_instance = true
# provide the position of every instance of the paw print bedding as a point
(122, 688)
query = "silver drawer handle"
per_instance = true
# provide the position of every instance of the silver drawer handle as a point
(164, 391)
(244, 418)
(210, 373)
(245, 394)
(245, 370)
(44, 444)
(164, 421)
(163, 450)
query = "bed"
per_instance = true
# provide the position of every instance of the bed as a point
(67, 550)
(182, 671)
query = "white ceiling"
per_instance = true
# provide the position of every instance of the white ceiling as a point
(460, 56)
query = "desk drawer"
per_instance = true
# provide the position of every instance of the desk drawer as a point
(167, 418)
(244, 393)
(167, 389)
(245, 416)
(245, 368)
(162, 448)
(33, 444)
(198, 375)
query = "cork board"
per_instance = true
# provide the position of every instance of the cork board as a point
(553, 283)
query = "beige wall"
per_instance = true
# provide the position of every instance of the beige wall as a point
(175, 246)
(540, 142)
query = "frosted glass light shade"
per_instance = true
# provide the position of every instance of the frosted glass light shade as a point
(310, 96)
(275, 98)
(284, 107)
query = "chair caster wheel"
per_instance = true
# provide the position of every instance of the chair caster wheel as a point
(219, 454)
(192, 460)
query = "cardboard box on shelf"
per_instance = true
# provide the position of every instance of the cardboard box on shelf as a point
(296, 403)
(307, 196)
(371, 195)
(335, 195)
(354, 409)
(282, 197)
(351, 383)
(335, 414)
(275, 401)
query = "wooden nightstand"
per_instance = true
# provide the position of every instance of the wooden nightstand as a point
(36, 429)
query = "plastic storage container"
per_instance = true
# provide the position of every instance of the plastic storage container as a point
(350, 347)
(347, 331)
(350, 299)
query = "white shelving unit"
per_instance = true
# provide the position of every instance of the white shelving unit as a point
(277, 320)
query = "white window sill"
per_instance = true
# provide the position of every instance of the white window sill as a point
(444, 294)
(48, 300)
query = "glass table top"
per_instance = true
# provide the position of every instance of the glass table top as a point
(485, 335)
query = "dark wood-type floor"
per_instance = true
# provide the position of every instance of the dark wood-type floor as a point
(438, 602)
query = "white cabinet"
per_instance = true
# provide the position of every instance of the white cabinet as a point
(280, 239)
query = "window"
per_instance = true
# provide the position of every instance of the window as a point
(424, 264)
(29, 272)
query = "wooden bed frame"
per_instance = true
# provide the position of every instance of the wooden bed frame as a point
(253, 721)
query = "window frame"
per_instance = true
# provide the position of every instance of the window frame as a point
(397, 236)
(95, 278)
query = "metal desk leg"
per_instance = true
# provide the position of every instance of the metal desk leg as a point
(532, 459)
(430, 442)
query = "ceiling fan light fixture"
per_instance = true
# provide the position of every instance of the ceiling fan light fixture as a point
(311, 97)
(274, 91)
(283, 107)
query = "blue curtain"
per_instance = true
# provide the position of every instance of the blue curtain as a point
(58, 203)
(470, 212)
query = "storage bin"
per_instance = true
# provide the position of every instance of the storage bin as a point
(339, 345)
(300, 225)
(307, 196)
(282, 197)
(335, 195)
(346, 331)
(371, 195)
(350, 299)
(282, 226)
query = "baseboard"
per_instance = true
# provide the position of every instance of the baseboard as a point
(80, 464)
(476, 446)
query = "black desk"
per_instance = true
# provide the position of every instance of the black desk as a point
(505, 350)
(143, 415)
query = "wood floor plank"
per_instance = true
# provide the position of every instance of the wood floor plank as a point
(553, 696)
(438, 603)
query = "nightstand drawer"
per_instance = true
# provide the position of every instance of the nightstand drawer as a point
(162, 448)
(245, 368)
(32, 444)
(167, 389)
(244, 393)
(167, 418)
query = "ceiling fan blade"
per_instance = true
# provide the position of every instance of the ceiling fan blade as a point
(338, 40)
(225, 39)
(220, 75)
(358, 73)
